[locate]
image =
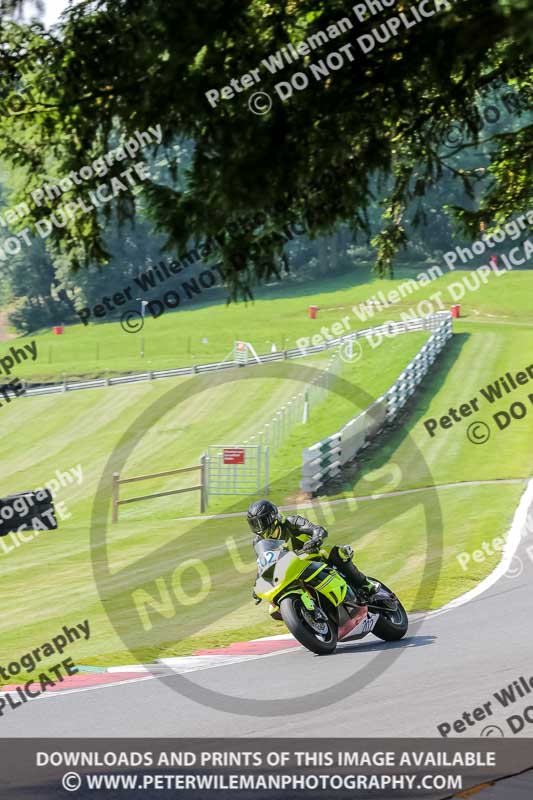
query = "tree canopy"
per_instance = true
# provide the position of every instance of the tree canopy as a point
(370, 131)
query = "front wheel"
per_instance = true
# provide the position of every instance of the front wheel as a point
(318, 636)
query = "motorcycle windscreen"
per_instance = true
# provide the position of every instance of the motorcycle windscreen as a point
(267, 552)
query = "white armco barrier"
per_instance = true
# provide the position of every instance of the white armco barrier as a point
(323, 460)
(356, 433)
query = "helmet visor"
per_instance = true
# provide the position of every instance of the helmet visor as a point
(264, 525)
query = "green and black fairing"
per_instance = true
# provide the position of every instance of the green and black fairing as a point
(282, 572)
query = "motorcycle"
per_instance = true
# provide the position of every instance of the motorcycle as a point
(317, 605)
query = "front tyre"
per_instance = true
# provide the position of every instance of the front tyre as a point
(319, 637)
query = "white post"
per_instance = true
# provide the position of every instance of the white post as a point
(278, 426)
(267, 477)
(305, 418)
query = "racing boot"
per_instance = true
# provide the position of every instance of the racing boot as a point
(375, 594)
(341, 557)
(368, 590)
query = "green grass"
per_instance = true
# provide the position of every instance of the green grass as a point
(52, 576)
(390, 535)
(177, 339)
(50, 581)
(60, 431)
(396, 540)
(473, 359)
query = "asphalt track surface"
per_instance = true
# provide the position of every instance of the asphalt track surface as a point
(451, 661)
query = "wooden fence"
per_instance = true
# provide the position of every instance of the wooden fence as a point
(201, 487)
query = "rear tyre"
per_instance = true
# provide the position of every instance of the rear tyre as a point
(321, 642)
(391, 625)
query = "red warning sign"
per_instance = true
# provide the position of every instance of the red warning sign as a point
(233, 455)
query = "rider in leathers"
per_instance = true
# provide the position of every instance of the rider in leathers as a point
(266, 522)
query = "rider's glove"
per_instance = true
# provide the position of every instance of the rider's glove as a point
(345, 552)
(312, 545)
(256, 598)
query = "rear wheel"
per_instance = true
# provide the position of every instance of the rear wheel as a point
(319, 636)
(391, 625)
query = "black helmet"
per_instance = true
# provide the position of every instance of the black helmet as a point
(264, 519)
